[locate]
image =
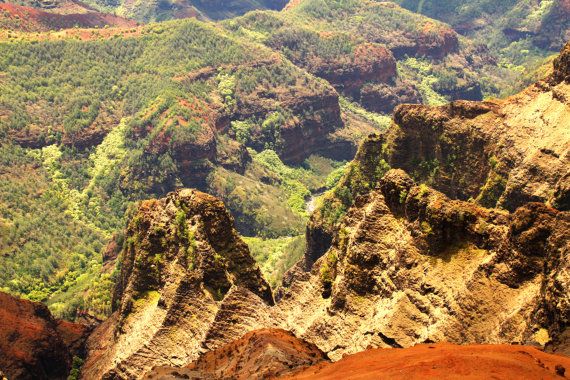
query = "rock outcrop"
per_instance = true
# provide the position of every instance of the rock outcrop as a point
(187, 284)
(395, 256)
(408, 265)
(500, 153)
(260, 354)
(34, 345)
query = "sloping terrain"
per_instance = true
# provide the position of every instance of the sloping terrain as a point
(260, 354)
(394, 263)
(101, 118)
(33, 345)
(148, 10)
(545, 23)
(443, 361)
(108, 120)
(376, 53)
(278, 354)
(184, 273)
(15, 18)
(521, 34)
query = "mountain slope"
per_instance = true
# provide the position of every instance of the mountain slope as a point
(128, 114)
(405, 264)
(185, 273)
(373, 52)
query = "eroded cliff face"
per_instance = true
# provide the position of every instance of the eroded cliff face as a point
(185, 277)
(500, 153)
(33, 344)
(409, 265)
(395, 256)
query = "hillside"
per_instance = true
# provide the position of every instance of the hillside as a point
(391, 262)
(522, 34)
(265, 111)
(281, 355)
(121, 123)
(375, 53)
(149, 10)
(15, 18)
(104, 117)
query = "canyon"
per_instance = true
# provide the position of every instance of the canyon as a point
(310, 191)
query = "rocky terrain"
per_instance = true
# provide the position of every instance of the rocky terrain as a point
(17, 18)
(34, 345)
(403, 264)
(260, 354)
(450, 224)
(278, 354)
(503, 153)
(187, 283)
(443, 361)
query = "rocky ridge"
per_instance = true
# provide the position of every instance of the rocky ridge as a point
(185, 278)
(391, 261)
(260, 354)
(500, 153)
(33, 344)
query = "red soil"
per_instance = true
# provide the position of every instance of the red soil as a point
(27, 19)
(443, 361)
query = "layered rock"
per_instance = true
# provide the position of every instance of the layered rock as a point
(33, 344)
(187, 284)
(304, 133)
(503, 153)
(260, 354)
(409, 265)
(390, 261)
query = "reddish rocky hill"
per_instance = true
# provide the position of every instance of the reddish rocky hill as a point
(443, 361)
(26, 19)
(34, 345)
(274, 353)
(260, 354)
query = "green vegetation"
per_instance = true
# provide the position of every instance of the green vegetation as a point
(276, 256)
(60, 204)
(521, 33)
(75, 372)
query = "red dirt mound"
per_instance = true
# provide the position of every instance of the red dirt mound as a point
(27, 19)
(260, 354)
(443, 361)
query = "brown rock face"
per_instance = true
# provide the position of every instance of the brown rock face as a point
(443, 361)
(260, 354)
(370, 63)
(33, 345)
(187, 284)
(501, 153)
(384, 97)
(409, 265)
(434, 41)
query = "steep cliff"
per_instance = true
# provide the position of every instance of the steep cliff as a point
(500, 153)
(187, 284)
(408, 265)
(34, 345)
